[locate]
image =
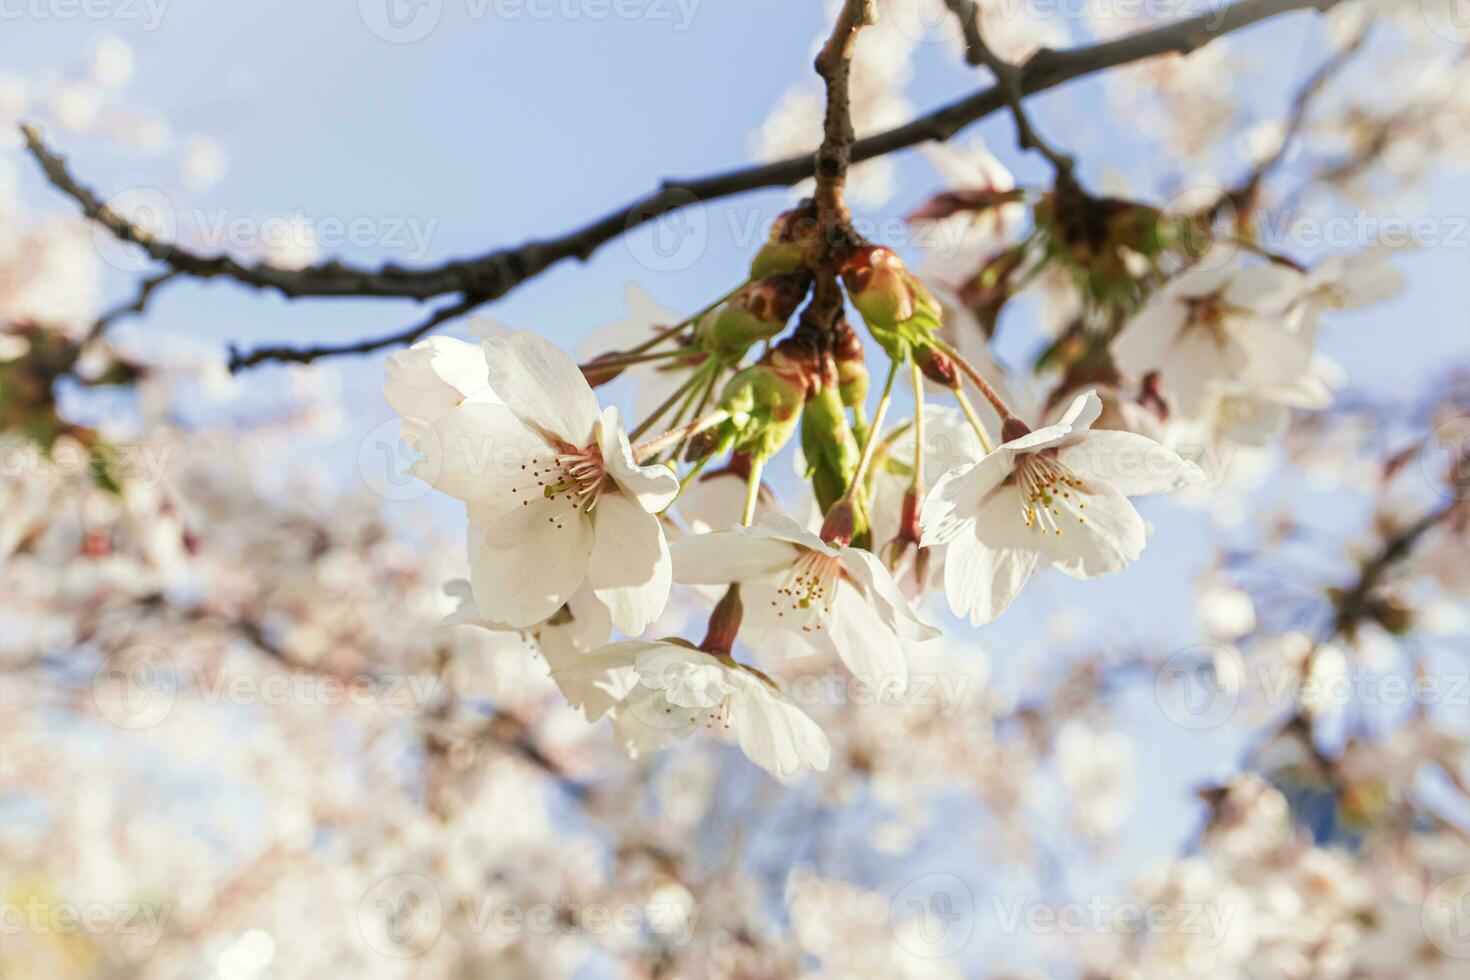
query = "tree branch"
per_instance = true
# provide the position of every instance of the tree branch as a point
(239, 360)
(1008, 77)
(495, 273)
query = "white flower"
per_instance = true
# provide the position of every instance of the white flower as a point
(797, 590)
(1057, 495)
(433, 377)
(554, 493)
(573, 631)
(1348, 282)
(1213, 325)
(677, 689)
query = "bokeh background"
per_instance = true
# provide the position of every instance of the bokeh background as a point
(233, 734)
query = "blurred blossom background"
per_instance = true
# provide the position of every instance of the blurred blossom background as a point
(239, 741)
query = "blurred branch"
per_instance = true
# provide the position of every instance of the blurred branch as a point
(1244, 193)
(138, 304)
(1008, 77)
(495, 273)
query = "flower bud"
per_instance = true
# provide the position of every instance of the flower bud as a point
(938, 367)
(597, 374)
(764, 405)
(879, 285)
(756, 312)
(852, 366)
(827, 441)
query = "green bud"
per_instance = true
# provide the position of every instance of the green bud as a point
(831, 449)
(880, 287)
(852, 366)
(776, 259)
(764, 405)
(756, 312)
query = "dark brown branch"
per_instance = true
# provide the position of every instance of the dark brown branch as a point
(834, 65)
(138, 304)
(492, 275)
(304, 355)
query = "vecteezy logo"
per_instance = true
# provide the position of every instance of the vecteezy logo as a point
(135, 688)
(1445, 457)
(675, 238)
(400, 21)
(401, 916)
(1198, 688)
(1450, 19)
(385, 459)
(1446, 917)
(148, 210)
(933, 916)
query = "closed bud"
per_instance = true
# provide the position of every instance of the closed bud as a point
(756, 312)
(938, 367)
(598, 374)
(879, 285)
(827, 441)
(764, 403)
(852, 366)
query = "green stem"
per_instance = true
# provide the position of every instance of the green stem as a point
(694, 378)
(694, 428)
(974, 375)
(623, 360)
(871, 442)
(752, 490)
(975, 423)
(668, 332)
(918, 379)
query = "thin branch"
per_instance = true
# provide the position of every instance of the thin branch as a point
(834, 65)
(1008, 77)
(492, 275)
(1242, 194)
(304, 355)
(138, 304)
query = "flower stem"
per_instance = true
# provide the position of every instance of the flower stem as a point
(695, 377)
(752, 490)
(692, 318)
(652, 446)
(975, 423)
(871, 442)
(918, 379)
(974, 375)
(623, 360)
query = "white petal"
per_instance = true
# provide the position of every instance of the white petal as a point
(866, 644)
(1146, 339)
(524, 569)
(688, 678)
(985, 569)
(774, 733)
(877, 587)
(1073, 424)
(479, 452)
(543, 384)
(723, 557)
(956, 499)
(1266, 288)
(716, 503)
(654, 487)
(630, 567)
(646, 722)
(435, 375)
(593, 682)
(1100, 540)
(1131, 463)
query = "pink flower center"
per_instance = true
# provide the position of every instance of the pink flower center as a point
(564, 482)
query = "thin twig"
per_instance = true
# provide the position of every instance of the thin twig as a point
(1008, 77)
(304, 355)
(138, 304)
